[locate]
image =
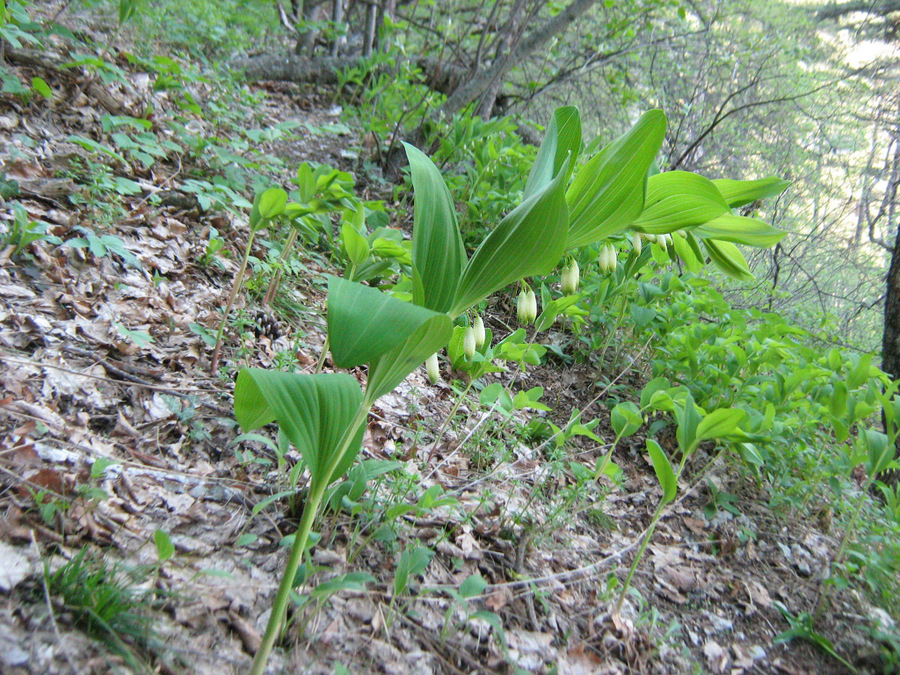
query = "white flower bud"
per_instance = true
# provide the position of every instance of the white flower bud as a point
(480, 335)
(570, 278)
(432, 368)
(531, 300)
(469, 342)
(636, 243)
(522, 306)
(607, 259)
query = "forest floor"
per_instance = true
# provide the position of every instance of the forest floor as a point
(112, 429)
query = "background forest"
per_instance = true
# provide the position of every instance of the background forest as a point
(647, 251)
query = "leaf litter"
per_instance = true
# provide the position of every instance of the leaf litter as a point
(102, 362)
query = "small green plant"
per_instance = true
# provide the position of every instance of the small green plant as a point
(23, 232)
(801, 627)
(102, 245)
(105, 603)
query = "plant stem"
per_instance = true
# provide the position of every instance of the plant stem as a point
(279, 606)
(238, 281)
(322, 355)
(640, 554)
(310, 511)
(276, 279)
(440, 434)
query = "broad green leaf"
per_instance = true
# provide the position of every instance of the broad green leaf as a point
(880, 451)
(679, 199)
(653, 386)
(438, 255)
(728, 258)
(750, 454)
(306, 183)
(391, 367)
(742, 192)
(355, 245)
(688, 418)
(313, 411)
(529, 241)
(693, 260)
(608, 192)
(837, 404)
(664, 472)
(364, 323)
(626, 419)
(719, 423)
(561, 142)
(272, 203)
(740, 230)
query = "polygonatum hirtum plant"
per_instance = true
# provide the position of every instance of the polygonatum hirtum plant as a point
(562, 208)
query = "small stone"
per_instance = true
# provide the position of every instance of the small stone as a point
(720, 624)
(13, 657)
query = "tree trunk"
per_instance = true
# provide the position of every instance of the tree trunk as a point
(890, 348)
(482, 80)
(839, 9)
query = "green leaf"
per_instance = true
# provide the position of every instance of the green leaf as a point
(837, 404)
(561, 142)
(529, 399)
(719, 423)
(663, 468)
(881, 452)
(494, 621)
(529, 241)
(126, 9)
(626, 419)
(679, 199)
(165, 549)
(306, 183)
(688, 420)
(472, 586)
(553, 309)
(496, 394)
(728, 258)
(313, 411)
(740, 230)
(355, 245)
(41, 87)
(653, 386)
(742, 192)
(245, 540)
(364, 323)
(272, 203)
(392, 367)
(438, 254)
(608, 192)
(412, 563)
